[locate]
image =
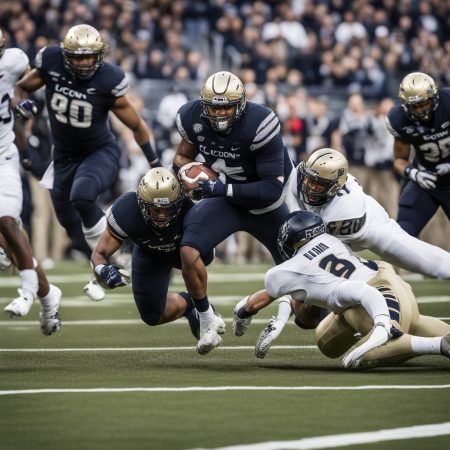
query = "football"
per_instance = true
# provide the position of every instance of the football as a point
(191, 173)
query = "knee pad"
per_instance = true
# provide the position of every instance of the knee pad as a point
(334, 336)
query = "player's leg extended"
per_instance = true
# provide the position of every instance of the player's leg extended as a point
(93, 177)
(66, 213)
(10, 208)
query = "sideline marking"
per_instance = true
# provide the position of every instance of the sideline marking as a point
(338, 440)
(221, 388)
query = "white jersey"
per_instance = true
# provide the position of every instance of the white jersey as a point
(13, 64)
(322, 273)
(362, 223)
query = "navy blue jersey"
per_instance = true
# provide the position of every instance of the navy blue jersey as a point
(431, 141)
(126, 221)
(251, 153)
(78, 110)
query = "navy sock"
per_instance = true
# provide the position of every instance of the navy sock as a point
(191, 315)
(202, 304)
(243, 314)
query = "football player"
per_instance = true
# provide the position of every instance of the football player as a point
(366, 297)
(13, 65)
(323, 185)
(421, 124)
(80, 90)
(152, 218)
(48, 294)
(241, 140)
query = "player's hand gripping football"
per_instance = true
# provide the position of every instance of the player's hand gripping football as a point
(209, 188)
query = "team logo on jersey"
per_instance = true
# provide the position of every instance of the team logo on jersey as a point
(197, 128)
(445, 125)
(200, 138)
(409, 130)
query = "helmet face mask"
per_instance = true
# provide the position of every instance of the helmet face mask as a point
(418, 95)
(321, 177)
(223, 99)
(299, 228)
(83, 50)
(160, 197)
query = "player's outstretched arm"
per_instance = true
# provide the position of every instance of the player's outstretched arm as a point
(128, 115)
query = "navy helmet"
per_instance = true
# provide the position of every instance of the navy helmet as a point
(298, 229)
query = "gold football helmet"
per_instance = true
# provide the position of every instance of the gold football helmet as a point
(2, 43)
(80, 42)
(419, 96)
(223, 90)
(160, 196)
(321, 176)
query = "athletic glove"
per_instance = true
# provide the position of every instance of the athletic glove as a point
(424, 178)
(26, 109)
(111, 277)
(442, 169)
(209, 188)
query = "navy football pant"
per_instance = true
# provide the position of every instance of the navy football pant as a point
(212, 220)
(150, 282)
(417, 206)
(76, 186)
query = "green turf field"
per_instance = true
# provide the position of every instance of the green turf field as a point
(107, 381)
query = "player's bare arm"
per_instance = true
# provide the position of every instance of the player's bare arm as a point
(402, 151)
(128, 115)
(186, 153)
(107, 245)
(30, 82)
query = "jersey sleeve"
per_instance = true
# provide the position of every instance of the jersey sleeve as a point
(120, 214)
(270, 164)
(113, 224)
(392, 123)
(291, 198)
(180, 123)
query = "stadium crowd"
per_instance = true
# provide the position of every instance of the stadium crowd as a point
(330, 69)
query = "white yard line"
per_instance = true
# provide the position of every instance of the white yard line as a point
(146, 349)
(339, 440)
(223, 388)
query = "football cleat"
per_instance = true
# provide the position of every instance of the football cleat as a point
(94, 291)
(219, 323)
(267, 336)
(240, 326)
(49, 315)
(209, 339)
(445, 345)
(21, 305)
(5, 262)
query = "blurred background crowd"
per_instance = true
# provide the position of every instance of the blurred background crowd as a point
(329, 68)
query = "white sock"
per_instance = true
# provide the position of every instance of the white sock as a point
(206, 318)
(29, 280)
(92, 234)
(426, 345)
(284, 308)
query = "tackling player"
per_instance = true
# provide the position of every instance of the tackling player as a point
(365, 296)
(323, 185)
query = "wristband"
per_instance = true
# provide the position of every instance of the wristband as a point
(408, 169)
(150, 154)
